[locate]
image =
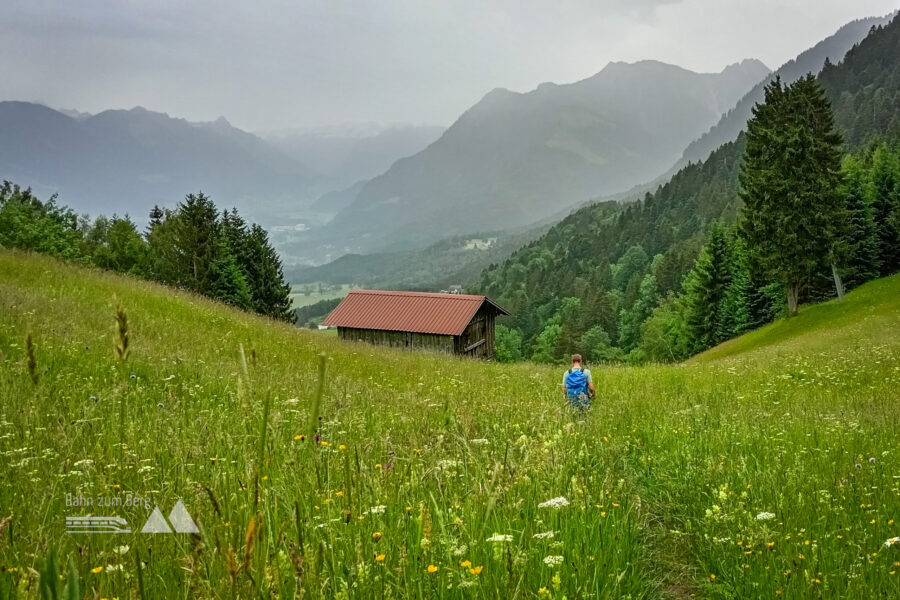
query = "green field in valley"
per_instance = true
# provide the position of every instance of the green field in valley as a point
(768, 467)
(310, 293)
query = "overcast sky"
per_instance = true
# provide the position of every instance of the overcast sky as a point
(268, 64)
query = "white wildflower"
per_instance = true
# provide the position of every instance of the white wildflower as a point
(556, 503)
(500, 537)
(83, 463)
(478, 441)
(894, 541)
(554, 560)
(545, 535)
(765, 516)
(120, 549)
(377, 510)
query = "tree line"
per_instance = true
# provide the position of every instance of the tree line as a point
(194, 246)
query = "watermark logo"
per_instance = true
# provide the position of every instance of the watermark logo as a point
(179, 518)
(179, 521)
(97, 525)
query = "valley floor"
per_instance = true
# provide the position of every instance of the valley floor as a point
(766, 468)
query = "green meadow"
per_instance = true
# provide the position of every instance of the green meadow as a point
(768, 467)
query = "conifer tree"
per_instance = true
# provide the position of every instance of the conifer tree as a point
(862, 240)
(265, 276)
(707, 286)
(793, 215)
(884, 197)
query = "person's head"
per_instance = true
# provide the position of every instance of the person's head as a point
(576, 360)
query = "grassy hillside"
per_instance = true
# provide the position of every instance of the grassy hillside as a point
(430, 472)
(852, 322)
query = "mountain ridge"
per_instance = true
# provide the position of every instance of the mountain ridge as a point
(516, 157)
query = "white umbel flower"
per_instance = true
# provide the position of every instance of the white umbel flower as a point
(500, 537)
(765, 516)
(556, 503)
(553, 561)
(546, 535)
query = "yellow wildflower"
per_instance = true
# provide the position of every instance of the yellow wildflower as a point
(96, 570)
(379, 558)
(465, 564)
(376, 536)
(476, 570)
(432, 569)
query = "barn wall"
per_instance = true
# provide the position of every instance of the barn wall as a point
(398, 339)
(481, 327)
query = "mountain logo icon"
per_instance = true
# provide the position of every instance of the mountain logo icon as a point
(180, 519)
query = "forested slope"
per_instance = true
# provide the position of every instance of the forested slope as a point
(593, 280)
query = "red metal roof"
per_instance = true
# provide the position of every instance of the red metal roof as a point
(419, 312)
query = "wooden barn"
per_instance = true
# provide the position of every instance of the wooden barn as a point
(453, 323)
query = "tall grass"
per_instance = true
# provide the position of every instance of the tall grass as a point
(421, 476)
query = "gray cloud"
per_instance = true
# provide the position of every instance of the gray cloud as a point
(282, 63)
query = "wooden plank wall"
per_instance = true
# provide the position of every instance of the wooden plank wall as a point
(398, 339)
(480, 328)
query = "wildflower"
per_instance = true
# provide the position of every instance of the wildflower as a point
(324, 443)
(160, 405)
(500, 537)
(120, 549)
(342, 447)
(545, 535)
(872, 460)
(432, 569)
(556, 503)
(376, 536)
(379, 558)
(542, 591)
(340, 493)
(476, 570)
(299, 438)
(712, 577)
(96, 570)
(553, 560)
(858, 466)
(377, 510)
(133, 376)
(465, 564)
(95, 398)
(894, 541)
(765, 516)
(212, 459)
(770, 544)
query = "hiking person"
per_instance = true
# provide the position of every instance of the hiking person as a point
(578, 386)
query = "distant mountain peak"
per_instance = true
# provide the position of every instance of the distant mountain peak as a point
(748, 64)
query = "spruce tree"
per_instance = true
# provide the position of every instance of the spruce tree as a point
(197, 243)
(884, 197)
(265, 276)
(707, 286)
(862, 239)
(793, 214)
